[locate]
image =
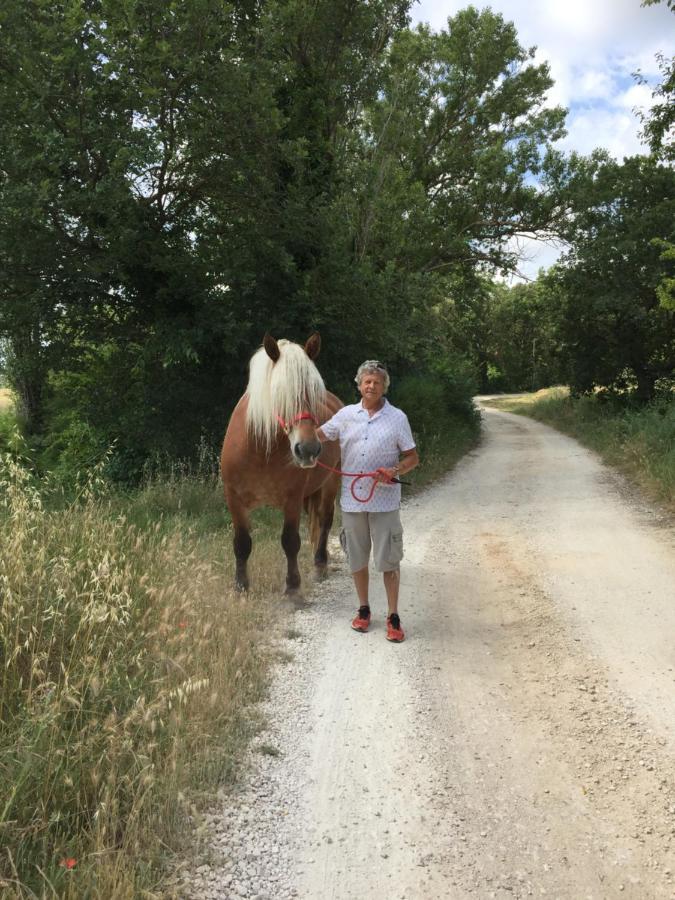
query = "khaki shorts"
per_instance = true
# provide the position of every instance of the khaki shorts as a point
(381, 530)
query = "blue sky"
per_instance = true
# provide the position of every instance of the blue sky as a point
(593, 47)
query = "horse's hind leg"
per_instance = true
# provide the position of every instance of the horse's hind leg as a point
(242, 550)
(290, 541)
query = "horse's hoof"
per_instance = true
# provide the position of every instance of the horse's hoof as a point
(300, 603)
(295, 599)
(320, 572)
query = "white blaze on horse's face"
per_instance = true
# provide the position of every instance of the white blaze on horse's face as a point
(305, 445)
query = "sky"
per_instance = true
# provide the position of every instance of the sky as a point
(592, 47)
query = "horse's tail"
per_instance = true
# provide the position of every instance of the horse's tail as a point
(313, 510)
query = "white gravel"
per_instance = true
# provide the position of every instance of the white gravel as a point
(258, 834)
(520, 743)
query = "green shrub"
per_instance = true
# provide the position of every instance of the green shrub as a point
(422, 398)
(436, 399)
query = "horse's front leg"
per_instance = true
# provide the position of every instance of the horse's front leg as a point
(290, 541)
(242, 542)
(321, 554)
(326, 513)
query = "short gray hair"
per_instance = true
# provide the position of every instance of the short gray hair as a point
(373, 367)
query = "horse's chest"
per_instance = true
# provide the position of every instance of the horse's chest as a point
(267, 485)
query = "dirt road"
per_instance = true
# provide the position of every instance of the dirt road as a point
(521, 742)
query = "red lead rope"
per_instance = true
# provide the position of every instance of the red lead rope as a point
(357, 476)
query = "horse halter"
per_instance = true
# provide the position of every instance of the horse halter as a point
(299, 418)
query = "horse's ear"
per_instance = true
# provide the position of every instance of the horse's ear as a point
(271, 347)
(313, 345)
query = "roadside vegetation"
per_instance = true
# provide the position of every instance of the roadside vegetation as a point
(637, 439)
(129, 670)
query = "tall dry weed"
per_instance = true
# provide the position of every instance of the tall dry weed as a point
(127, 672)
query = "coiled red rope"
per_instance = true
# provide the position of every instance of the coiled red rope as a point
(357, 476)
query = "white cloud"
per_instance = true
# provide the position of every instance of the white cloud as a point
(637, 96)
(614, 130)
(595, 84)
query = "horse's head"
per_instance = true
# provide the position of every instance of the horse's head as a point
(301, 433)
(286, 391)
(301, 428)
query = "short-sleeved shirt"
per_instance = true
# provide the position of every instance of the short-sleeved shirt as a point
(368, 443)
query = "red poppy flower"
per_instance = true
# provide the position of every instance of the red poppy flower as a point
(68, 862)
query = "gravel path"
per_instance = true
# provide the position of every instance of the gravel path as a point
(520, 743)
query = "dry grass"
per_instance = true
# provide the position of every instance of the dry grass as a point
(129, 670)
(524, 402)
(6, 400)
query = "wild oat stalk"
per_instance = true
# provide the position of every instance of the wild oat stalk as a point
(126, 670)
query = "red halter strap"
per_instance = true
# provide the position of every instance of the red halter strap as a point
(299, 418)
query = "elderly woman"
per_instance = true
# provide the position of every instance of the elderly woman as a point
(374, 437)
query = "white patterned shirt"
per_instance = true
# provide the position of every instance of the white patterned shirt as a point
(368, 443)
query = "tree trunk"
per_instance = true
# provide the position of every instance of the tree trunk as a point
(27, 372)
(645, 384)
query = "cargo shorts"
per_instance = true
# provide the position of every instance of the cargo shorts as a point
(381, 531)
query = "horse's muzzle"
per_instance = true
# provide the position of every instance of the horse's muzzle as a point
(306, 453)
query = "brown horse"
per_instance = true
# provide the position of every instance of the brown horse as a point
(270, 452)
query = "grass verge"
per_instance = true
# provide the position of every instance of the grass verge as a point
(129, 674)
(640, 441)
(129, 671)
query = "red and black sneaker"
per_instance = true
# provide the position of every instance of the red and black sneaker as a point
(362, 619)
(394, 631)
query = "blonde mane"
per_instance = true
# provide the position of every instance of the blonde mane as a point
(286, 388)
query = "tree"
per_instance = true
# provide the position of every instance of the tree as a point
(175, 179)
(455, 144)
(109, 162)
(524, 345)
(166, 175)
(616, 333)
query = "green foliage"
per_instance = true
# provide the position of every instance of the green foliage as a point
(522, 336)
(665, 290)
(421, 397)
(457, 130)
(615, 332)
(179, 178)
(434, 400)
